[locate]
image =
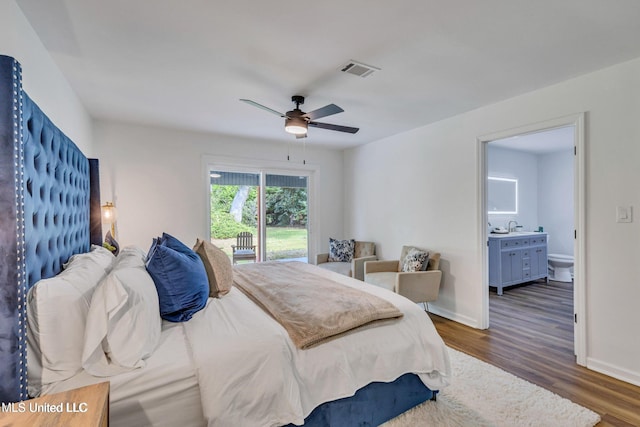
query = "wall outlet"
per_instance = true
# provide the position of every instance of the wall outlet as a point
(624, 214)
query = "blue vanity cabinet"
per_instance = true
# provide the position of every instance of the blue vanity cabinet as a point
(539, 261)
(511, 266)
(517, 258)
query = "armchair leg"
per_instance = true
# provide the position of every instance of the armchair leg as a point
(425, 305)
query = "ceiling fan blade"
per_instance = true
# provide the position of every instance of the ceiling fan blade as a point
(334, 127)
(255, 104)
(325, 111)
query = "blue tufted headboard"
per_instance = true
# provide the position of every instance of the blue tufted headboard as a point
(49, 210)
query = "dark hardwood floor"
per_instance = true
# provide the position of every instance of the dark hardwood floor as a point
(531, 336)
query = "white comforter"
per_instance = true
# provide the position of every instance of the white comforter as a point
(251, 374)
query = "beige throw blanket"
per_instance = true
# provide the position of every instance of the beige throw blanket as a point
(310, 307)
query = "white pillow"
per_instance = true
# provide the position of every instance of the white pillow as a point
(123, 324)
(99, 254)
(56, 315)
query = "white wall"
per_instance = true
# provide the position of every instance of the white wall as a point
(505, 163)
(156, 179)
(555, 199)
(421, 187)
(42, 79)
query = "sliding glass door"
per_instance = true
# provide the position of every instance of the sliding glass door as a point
(235, 209)
(285, 203)
(273, 207)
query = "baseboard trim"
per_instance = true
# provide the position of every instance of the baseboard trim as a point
(614, 371)
(468, 321)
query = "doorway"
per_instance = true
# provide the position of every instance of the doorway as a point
(525, 214)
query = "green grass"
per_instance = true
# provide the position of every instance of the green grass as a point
(282, 243)
(286, 242)
(286, 238)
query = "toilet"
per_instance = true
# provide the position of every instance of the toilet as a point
(560, 267)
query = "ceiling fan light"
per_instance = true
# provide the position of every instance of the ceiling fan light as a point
(295, 125)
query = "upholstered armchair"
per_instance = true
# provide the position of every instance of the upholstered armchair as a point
(363, 252)
(419, 286)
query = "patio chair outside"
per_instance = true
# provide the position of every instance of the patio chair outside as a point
(244, 249)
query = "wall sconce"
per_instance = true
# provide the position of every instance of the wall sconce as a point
(109, 216)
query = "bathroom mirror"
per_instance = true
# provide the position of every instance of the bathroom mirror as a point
(502, 195)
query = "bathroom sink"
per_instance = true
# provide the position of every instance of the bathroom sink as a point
(523, 233)
(515, 233)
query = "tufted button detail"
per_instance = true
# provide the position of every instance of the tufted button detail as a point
(57, 186)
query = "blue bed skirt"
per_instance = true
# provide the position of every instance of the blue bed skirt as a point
(372, 405)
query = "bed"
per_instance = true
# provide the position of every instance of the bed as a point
(195, 375)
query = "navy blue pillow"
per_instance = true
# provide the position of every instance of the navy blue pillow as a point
(152, 249)
(180, 278)
(171, 242)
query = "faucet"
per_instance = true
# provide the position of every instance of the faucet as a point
(509, 225)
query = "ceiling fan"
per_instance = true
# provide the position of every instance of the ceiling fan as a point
(297, 121)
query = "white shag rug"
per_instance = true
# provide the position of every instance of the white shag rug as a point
(482, 395)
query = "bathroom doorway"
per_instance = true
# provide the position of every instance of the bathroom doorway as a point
(544, 163)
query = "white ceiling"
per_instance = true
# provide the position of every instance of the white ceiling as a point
(186, 63)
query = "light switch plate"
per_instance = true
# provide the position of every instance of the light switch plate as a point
(624, 214)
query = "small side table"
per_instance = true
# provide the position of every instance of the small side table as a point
(81, 407)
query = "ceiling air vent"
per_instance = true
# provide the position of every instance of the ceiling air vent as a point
(359, 69)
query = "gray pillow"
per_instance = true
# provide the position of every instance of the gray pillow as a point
(415, 260)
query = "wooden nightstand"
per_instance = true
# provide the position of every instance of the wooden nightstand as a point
(81, 407)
